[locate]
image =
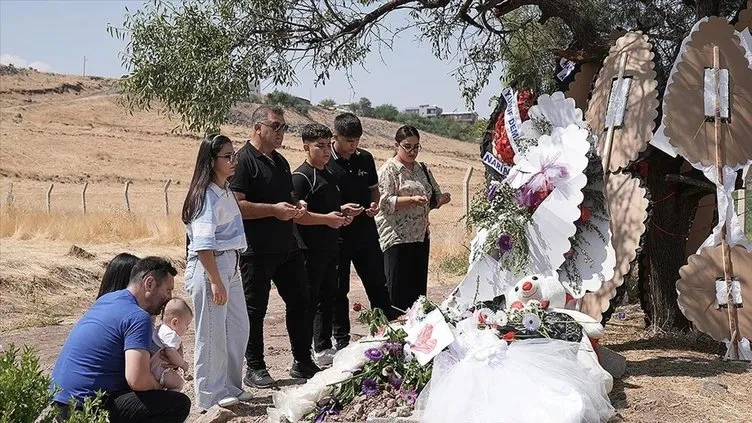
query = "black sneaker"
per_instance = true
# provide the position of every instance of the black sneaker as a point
(260, 379)
(303, 370)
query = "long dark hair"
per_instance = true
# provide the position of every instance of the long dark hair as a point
(118, 273)
(202, 175)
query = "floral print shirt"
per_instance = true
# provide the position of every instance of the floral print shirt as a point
(409, 224)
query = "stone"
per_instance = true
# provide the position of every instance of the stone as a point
(710, 388)
(391, 403)
(358, 409)
(614, 363)
(216, 414)
(404, 411)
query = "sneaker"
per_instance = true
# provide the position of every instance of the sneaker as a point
(227, 402)
(245, 396)
(324, 358)
(259, 379)
(303, 370)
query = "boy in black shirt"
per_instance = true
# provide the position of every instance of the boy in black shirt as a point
(356, 175)
(319, 228)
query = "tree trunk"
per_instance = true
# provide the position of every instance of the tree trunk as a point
(673, 208)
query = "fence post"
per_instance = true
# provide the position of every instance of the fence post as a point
(166, 200)
(127, 201)
(466, 190)
(49, 198)
(83, 196)
(10, 195)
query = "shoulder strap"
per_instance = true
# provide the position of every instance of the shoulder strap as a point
(309, 182)
(428, 178)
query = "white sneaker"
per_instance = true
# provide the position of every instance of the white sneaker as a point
(245, 396)
(324, 358)
(228, 401)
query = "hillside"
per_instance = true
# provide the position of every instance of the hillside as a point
(69, 130)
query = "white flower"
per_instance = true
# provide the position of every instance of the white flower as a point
(531, 322)
(484, 316)
(409, 356)
(500, 319)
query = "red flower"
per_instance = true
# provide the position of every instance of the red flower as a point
(517, 305)
(585, 214)
(357, 307)
(509, 336)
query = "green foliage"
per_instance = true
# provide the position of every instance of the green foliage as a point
(365, 107)
(25, 394)
(386, 112)
(443, 126)
(327, 102)
(286, 100)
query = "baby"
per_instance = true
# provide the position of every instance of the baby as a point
(176, 318)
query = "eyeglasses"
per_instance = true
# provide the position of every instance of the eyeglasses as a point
(276, 126)
(232, 157)
(408, 148)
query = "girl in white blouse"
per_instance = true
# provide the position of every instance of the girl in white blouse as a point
(408, 192)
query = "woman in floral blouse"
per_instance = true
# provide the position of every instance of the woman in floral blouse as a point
(408, 192)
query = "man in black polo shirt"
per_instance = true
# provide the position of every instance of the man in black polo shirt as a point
(263, 186)
(315, 184)
(359, 242)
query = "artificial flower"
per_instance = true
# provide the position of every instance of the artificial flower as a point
(370, 388)
(533, 304)
(395, 381)
(509, 336)
(409, 356)
(393, 348)
(373, 354)
(500, 318)
(531, 321)
(505, 244)
(585, 214)
(357, 307)
(409, 395)
(484, 316)
(387, 371)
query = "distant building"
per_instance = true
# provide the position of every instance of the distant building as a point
(466, 117)
(424, 110)
(303, 100)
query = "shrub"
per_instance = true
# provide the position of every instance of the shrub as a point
(25, 394)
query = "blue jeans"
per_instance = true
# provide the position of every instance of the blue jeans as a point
(221, 331)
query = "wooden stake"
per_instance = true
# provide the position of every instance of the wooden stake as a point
(610, 132)
(49, 198)
(127, 201)
(83, 196)
(466, 189)
(728, 268)
(166, 200)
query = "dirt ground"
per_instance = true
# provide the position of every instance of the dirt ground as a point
(664, 380)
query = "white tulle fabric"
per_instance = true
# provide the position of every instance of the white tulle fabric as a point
(483, 379)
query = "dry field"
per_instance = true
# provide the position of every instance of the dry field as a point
(69, 130)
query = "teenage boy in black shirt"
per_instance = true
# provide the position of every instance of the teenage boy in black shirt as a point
(356, 175)
(263, 187)
(315, 184)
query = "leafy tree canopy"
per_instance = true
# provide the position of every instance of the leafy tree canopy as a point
(198, 56)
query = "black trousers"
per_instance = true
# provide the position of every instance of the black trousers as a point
(406, 269)
(141, 407)
(287, 270)
(321, 267)
(366, 256)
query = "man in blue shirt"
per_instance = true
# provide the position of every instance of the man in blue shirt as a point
(108, 350)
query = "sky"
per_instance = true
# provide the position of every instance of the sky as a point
(56, 35)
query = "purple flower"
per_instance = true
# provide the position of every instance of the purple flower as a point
(505, 243)
(409, 395)
(395, 381)
(393, 348)
(622, 315)
(492, 192)
(370, 388)
(374, 354)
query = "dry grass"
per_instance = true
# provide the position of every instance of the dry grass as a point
(98, 227)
